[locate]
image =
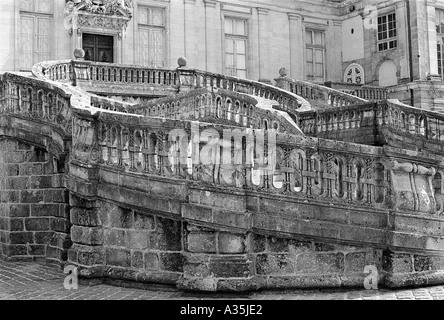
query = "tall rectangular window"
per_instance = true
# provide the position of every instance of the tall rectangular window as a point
(440, 40)
(152, 42)
(387, 34)
(236, 38)
(315, 55)
(36, 32)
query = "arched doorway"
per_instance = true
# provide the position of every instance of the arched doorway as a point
(387, 74)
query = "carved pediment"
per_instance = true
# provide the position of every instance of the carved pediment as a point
(107, 14)
(101, 7)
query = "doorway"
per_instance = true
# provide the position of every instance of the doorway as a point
(98, 48)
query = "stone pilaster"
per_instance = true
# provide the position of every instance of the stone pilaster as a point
(296, 47)
(264, 49)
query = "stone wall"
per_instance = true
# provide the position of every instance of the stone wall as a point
(34, 221)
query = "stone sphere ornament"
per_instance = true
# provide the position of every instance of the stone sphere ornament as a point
(79, 53)
(182, 62)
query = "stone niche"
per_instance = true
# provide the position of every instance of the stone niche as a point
(100, 17)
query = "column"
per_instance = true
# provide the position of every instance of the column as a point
(296, 47)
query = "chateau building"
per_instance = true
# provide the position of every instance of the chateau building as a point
(373, 42)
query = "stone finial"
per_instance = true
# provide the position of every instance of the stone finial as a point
(79, 53)
(182, 62)
(283, 72)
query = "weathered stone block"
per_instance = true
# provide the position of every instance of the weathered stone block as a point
(259, 243)
(85, 217)
(144, 221)
(225, 267)
(16, 225)
(320, 263)
(135, 239)
(137, 260)
(151, 261)
(267, 264)
(17, 250)
(86, 255)
(202, 242)
(17, 183)
(37, 224)
(116, 217)
(37, 250)
(287, 245)
(397, 262)
(45, 210)
(55, 196)
(21, 237)
(31, 196)
(114, 237)
(118, 257)
(60, 225)
(231, 244)
(357, 261)
(171, 262)
(44, 237)
(88, 236)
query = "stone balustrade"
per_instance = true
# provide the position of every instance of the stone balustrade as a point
(319, 96)
(343, 123)
(94, 76)
(369, 93)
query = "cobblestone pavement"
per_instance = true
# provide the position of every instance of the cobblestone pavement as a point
(28, 281)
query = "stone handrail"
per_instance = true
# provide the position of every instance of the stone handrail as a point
(218, 106)
(180, 79)
(322, 95)
(391, 114)
(362, 91)
(299, 167)
(37, 100)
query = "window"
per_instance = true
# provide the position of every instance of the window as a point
(36, 25)
(387, 35)
(152, 37)
(354, 74)
(440, 40)
(236, 47)
(315, 51)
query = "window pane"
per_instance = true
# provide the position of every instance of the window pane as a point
(229, 26)
(143, 15)
(309, 69)
(309, 55)
(229, 46)
(308, 37)
(157, 17)
(240, 47)
(240, 27)
(319, 72)
(319, 56)
(26, 41)
(241, 62)
(318, 38)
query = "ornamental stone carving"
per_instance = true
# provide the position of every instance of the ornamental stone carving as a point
(100, 14)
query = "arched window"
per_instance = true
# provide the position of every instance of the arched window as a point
(354, 74)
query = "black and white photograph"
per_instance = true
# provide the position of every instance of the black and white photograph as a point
(219, 158)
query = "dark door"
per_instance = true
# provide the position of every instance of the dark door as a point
(98, 48)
